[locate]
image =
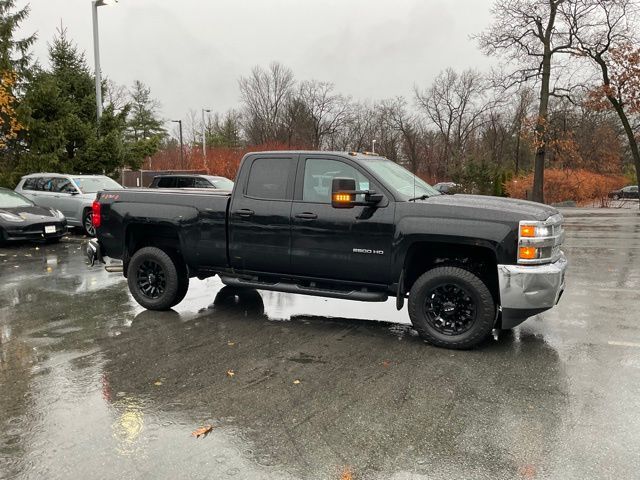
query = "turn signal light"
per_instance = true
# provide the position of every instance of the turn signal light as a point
(342, 197)
(527, 231)
(528, 253)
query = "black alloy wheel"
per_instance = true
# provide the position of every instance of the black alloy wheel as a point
(157, 279)
(450, 309)
(151, 279)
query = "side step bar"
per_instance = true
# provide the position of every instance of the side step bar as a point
(363, 296)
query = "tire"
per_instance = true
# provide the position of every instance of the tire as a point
(87, 226)
(616, 197)
(452, 308)
(156, 280)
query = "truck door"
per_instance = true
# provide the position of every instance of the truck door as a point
(260, 214)
(343, 244)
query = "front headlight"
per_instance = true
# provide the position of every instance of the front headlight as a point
(540, 242)
(10, 217)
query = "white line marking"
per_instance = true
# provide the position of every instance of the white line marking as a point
(624, 344)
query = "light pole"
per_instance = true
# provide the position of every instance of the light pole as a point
(179, 122)
(373, 146)
(96, 51)
(204, 137)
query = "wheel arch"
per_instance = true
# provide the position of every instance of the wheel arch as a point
(140, 235)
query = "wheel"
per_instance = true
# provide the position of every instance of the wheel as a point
(87, 223)
(616, 197)
(156, 280)
(451, 307)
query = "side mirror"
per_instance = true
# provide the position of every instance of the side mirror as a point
(343, 194)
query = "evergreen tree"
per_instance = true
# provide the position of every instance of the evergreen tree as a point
(63, 134)
(143, 121)
(15, 65)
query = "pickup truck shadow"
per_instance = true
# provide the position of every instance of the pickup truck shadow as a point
(311, 397)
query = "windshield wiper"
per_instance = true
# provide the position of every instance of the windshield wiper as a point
(421, 197)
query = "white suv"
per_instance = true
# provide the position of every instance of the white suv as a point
(73, 195)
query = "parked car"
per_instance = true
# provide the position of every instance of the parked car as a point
(191, 181)
(73, 195)
(21, 219)
(446, 187)
(626, 192)
(468, 264)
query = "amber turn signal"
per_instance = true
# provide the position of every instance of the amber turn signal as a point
(342, 197)
(528, 253)
(527, 231)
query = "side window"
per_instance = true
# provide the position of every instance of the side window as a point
(41, 182)
(201, 183)
(49, 184)
(29, 184)
(269, 177)
(63, 185)
(319, 174)
(167, 182)
(184, 182)
(634, 189)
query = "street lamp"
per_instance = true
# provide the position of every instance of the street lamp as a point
(373, 146)
(179, 122)
(204, 136)
(96, 51)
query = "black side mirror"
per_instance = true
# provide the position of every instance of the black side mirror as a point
(343, 194)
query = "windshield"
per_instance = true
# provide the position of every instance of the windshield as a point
(401, 180)
(221, 183)
(10, 199)
(96, 184)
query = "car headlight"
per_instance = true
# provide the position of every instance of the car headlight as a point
(540, 242)
(10, 217)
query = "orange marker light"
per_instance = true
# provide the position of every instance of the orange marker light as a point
(528, 253)
(527, 231)
(342, 197)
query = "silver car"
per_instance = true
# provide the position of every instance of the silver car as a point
(73, 195)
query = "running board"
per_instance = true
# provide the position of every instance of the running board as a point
(363, 296)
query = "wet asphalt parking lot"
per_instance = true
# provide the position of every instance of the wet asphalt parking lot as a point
(92, 386)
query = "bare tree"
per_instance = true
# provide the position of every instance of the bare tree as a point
(265, 95)
(456, 104)
(528, 34)
(327, 110)
(605, 31)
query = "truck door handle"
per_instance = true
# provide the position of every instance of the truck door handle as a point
(307, 216)
(245, 212)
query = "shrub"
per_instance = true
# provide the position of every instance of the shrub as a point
(580, 186)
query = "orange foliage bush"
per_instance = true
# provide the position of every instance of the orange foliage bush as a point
(222, 161)
(560, 185)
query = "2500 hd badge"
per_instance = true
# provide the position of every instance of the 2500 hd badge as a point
(468, 265)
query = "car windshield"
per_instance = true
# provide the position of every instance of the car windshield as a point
(401, 180)
(10, 199)
(221, 183)
(96, 184)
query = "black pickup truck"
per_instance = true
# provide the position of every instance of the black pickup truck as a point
(342, 225)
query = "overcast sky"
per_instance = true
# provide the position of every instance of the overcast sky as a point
(192, 52)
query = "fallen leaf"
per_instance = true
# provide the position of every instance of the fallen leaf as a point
(202, 431)
(230, 373)
(527, 471)
(346, 474)
(231, 344)
(386, 363)
(296, 382)
(158, 383)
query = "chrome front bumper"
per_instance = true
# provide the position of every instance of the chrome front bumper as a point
(526, 290)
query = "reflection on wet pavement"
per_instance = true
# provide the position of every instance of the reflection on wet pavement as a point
(92, 386)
